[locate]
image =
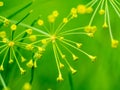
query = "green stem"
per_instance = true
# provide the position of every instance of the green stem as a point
(70, 81)
(32, 71)
(12, 15)
(2, 81)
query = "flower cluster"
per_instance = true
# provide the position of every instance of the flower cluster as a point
(103, 8)
(57, 37)
(13, 40)
(10, 44)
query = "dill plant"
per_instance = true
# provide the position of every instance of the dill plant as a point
(12, 41)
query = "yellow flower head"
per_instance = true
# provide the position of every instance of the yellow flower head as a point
(73, 11)
(73, 70)
(61, 65)
(27, 86)
(1, 3)
(22, 70)
(2, 34)
(60, 78)
(63, 56)
(40, 22)
(32, 38)
(6, 22)
(90, 29)
(101, 12)
(81, 9)
(29, 47)
(23, 59)
(105, 25)
(10, 61)
(4, 40)
(78, 45)
(90, 34)
(13, 27)
(53, 38)
(38, 55)
(40, 49)
(30, 64)
(74, 57)
(55, 13)
(1, 68)
(51, 18)
(11, 44)
(65, 20)
(44, 41)
(29, 31)
(93, 58)
(114, 43)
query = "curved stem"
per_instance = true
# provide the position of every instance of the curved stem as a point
(2, 81)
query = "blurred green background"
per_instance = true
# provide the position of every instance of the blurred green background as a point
(104, 74)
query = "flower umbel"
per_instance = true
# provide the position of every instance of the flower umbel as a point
(103, 7)
(56, 36)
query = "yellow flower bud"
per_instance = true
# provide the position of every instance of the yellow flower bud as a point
(51, 18)
(114, 43)
(38, 55)
(29, 31)
(6, 22)
(78, 45)
(101, 12)
(74, 57)
(60, 78)
(63, 56)
(55, 13)
(32, 38)
(2, 34)
(40, 49)
(73, 11)
(40, 22)
(30, 64)
(29, 47)
(81, 9)
(4, 40)
(23, 59)
(11, 44)
(44, 41)
(10, 61)
(13, 27)
(1, 68)
(93, 58)
(22, 70)
(1, 3)
(65, 20)
(73, 70)
(105, 25)
(27, 86)
(61, 65)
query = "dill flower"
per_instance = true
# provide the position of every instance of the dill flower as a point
(27, 86)
(55, 36)
(1, 3)
(58, 41)
(11, 45)
(103, 8)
